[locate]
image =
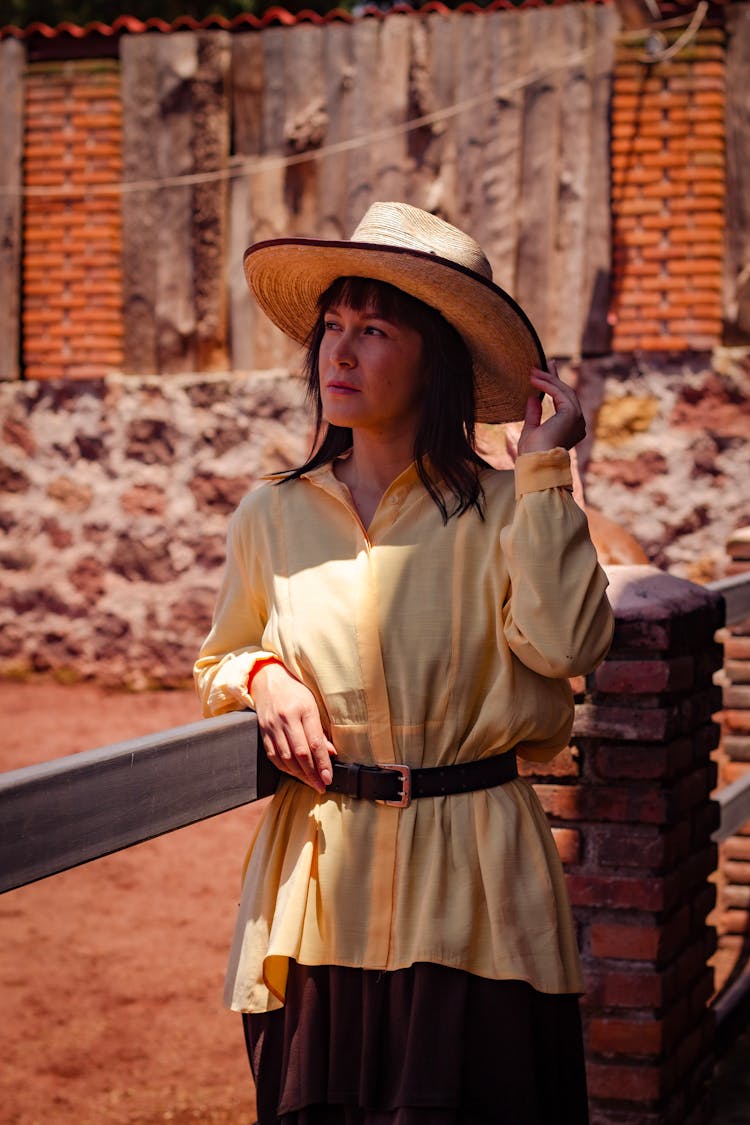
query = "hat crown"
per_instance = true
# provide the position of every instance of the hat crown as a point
(398, 224)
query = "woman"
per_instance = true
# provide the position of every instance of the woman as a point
(404, 620)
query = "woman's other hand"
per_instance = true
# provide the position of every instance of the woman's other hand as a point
(566, 427)
(289, 721)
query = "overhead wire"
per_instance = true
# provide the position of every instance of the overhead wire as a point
(239, 166)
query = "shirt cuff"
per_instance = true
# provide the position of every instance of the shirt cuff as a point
(537, 471)
(229, 690)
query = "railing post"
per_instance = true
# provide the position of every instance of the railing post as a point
(733, 907)
(631, 808)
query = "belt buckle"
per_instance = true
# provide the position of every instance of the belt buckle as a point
(404, 798)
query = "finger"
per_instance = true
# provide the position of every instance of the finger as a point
(533, 415)
(548, 380)
(286, 747)
(320, 748)
(303, 759)
(563, 397)
(283, 759)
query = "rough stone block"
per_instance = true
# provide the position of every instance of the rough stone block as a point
(635, 677)
(658, 611)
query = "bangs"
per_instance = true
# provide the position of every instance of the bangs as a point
(363, 294)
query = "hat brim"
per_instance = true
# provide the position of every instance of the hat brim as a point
(288, 275)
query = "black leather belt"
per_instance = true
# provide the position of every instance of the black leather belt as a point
(399, 785)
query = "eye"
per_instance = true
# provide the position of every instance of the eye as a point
(330, 325)
(373, 331)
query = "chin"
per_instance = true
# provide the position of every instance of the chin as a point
(341, 418)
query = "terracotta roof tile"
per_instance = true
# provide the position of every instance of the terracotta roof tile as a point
(130, 25)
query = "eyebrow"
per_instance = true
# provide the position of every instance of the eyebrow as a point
(371, 313)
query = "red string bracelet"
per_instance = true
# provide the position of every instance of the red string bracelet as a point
(257, 667)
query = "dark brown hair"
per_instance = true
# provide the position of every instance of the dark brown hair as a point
(444, 452)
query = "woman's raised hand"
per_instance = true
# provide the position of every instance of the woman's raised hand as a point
(566, 427)
(290, 726)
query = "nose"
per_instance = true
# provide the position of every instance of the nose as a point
(342, 354)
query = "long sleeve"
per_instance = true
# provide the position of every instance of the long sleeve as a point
(557, 619)
(234, 644)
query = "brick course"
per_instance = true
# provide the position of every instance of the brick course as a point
(668, 190)
(72, 278)
(640, 804)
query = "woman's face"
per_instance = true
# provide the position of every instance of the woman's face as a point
(371, 369)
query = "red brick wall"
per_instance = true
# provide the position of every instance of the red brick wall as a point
(668, 192)
(631, 811)
(72, 278)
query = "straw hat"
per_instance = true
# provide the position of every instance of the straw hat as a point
(427, 258)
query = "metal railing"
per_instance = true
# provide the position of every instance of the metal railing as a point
(736, 594)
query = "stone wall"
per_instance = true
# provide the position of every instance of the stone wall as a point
(667, 455)
(116, 493)
(115, 498)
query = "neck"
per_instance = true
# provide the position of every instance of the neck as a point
(371, 469)
(377, 463)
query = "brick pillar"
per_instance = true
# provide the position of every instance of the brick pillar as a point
(72, 276)
(668, 193)
(630, 806)
(733, 907)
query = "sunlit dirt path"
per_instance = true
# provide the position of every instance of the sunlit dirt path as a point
(111, 974)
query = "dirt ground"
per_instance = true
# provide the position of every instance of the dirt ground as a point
(111, 974)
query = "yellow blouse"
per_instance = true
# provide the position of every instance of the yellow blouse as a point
(427, 644)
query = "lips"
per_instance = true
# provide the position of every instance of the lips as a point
(338, 385)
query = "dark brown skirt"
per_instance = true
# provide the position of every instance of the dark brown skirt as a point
(427, 1045)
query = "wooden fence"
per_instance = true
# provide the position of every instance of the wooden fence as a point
(495, 120)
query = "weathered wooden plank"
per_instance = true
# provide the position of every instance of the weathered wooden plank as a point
(176, 123)
(734, 802)
(365, 47)
(737, 257)
(64, 813)
(390, 108)
(210, 152)
(305, 126)
(177, 63)
(604, 26)
(473, 80)
(12, 67)
(140, 209)
(502, 169)
(433, 147)
(270, 218)
(538, 197)
(336, 218)
(158, 306)
(567, 268)
(735, 591)
(247, 83)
